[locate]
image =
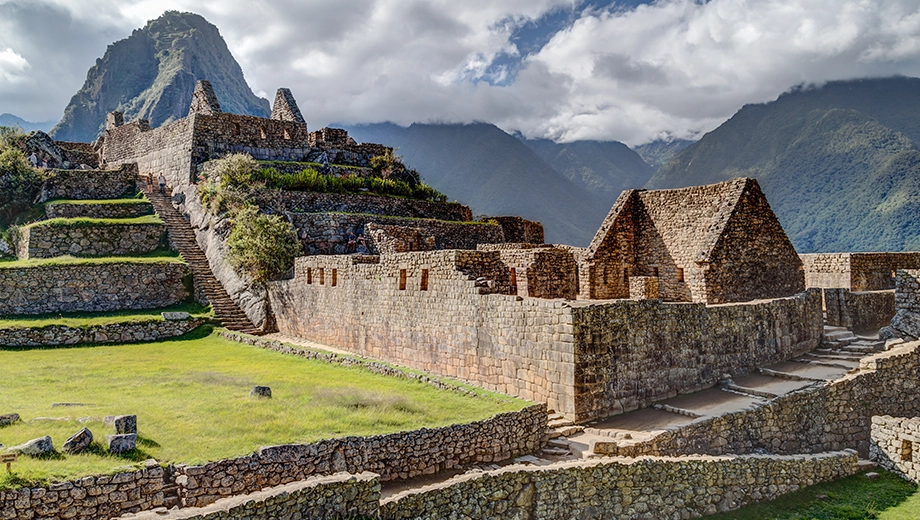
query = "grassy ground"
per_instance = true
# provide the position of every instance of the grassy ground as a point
(853, 498)
(88, 319)
(96, 222)
(110, 202)
(156, 257)
(192, 400)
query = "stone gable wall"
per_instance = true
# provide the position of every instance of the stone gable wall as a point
(126, 210)
(92, 287)
(907, 294)
(56, 335)
(829, 416)
(394, 456)
(586, 360)
(264, 139)
(91, 184)
(89, 498)
(327, 233)
(895, 445)
(605, 266)
(41, 241)
(519, 230)
(620, 488)
(318, 498)
(629, 354)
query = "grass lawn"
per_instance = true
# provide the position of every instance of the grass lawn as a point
(156, 257)
(95, 222)
(89, 319)
(99, 202)
(853, 498)
(191, 398)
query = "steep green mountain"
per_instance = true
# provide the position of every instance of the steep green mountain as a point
(495, 174)
(27, 126)
(602, 168)
(840, 163)
(152, 74)
(660, 151)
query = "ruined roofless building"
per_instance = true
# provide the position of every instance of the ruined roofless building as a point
(711, 244)
(176, 149)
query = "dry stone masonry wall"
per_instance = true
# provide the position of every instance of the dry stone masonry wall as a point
(91, 185)
(318, 498)
(444, 313)
(124, 209)
(313, 202)
(895, 441)
(619, 488)
(89, 498)
(856, 271)
(104, 239)
(56, 335)
(91, 287)
(858, 311)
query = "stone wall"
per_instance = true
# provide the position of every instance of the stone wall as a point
(630, 354)
(88, 498)
(91, 184)
(114, 238)
(165, 150)
(454, 313)
(858, 311)
(91, 286)
(828, 416)
(313, 202)
(907, 294)
(544, 272)
(318, 498)
(395, 456)
(619, 488)
(856, 271)
(895, 444)
(327, 233)
(56, 335)
(519, 230)
(127, 209)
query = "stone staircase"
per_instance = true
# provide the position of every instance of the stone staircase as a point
(183, 238)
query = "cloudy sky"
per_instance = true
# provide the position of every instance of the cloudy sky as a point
(564, 69)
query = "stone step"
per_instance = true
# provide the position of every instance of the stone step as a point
(558, 423)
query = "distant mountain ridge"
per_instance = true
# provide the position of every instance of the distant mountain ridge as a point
(498, 174)
(151, 75)
(8, 119)
(839, 163)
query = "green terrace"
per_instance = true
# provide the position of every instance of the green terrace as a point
(156, 257)
(96, 222)
(96, 319)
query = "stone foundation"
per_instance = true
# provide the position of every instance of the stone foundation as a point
(91, 287)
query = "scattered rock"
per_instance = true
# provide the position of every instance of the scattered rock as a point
(8, 419)
(261, 391)
(121, 443)
(872, 475)
(35, 447)
(55, 405)
(125, 424)
(79, 441)
(823, 498)
(175, 316)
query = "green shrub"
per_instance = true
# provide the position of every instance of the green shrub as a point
(231, 183)
(262, 245)
(19, 182)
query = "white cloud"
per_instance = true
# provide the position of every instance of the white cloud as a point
(674, 67)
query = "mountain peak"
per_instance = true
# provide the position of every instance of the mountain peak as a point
(152, 74)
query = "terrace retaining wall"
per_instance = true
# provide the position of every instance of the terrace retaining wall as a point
(394, 456)
(314, 202)
(619, 488)
(127, 209)
(91, 287)
(91, 184)
(88, 498)
(109, 239)
(55, 335)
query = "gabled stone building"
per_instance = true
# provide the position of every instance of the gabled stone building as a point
(711, 244)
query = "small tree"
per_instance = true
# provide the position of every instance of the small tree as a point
(230, 182)
(19, 182)
(262, 245)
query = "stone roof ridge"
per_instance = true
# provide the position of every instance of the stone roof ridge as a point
(735, 190)
(621, 203)
(204, 100)
(285, 107)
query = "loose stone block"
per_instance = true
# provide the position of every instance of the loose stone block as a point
(262, 392)
(125, 423)
(78, 442)
(35, 447)
(8, 419)
(121, 443)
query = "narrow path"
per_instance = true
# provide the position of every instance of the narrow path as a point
(182, 235)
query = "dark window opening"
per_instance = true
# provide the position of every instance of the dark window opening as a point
(335, 273)
(236, 129)
(309, 275)
(322, 276)
(402, 279)
(262, 132)
(907, 451)
(424, 283)
(680, 274)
